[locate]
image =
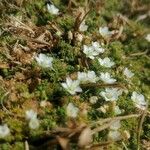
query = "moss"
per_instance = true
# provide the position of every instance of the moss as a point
(146, 129)
(135, 44)
(6, 73)
(66, 51)
(18, 146)
(59, 71)
(100, 137)
(61, 115)
(126, 104)
(94, 23)
(21, 87)
(114, 5)
(5, 146)
(35, 9)
(17, 129)
(68, 57)
(48, 123)
(111, 8)
(117, 52)
(43, 90)
(131, 125)
(66, 22)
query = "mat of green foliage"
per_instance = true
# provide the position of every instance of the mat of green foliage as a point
(28, 29)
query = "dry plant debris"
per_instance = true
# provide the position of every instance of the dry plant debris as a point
(74, 75)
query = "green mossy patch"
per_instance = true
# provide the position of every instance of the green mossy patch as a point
(26, 85)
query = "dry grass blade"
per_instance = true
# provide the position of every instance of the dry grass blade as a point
(85, 137)
(64, 143)
(26, 145)
(124, 145)
(102, 121)
(3, 65)
(24, 26)
(80, 18)
(100, 145)
(103, 85)
(102, 127)
(140, 128)
(140, 53)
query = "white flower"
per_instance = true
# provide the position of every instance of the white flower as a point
(111, 94)
(72, 86)
(89, 51)
(126, 134)
(94, 50)
(96, 46)
(4, 130)
(106, 62)
(93, 99)
(90, 76)
(103, 108)
(79, 37)
(106, 77)
(43, 103)
(83, 27)
(114, 135)
(82, 76)
(52, 9)
(72, 111)
(138, 100)
(117, 110)
(104, 31)
(31, 114)
(34, 123)
(148, 37)
(115, 125)
(128, 73)
(44, 61)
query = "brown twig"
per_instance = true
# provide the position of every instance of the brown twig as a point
(26, 145)
(102, 127)
(102, 121)
(139, 54)
(69, 4)
(83, 18)
(124, 145)
(98, 145)
(55, 27)
(102, 85)
(119, 33)
(106, 123)
(24, 26)
(140, 128)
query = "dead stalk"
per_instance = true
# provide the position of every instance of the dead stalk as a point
(26, 145)
(124, 145)
(139, 54)
(103, 127)
(24, 26)
(103, 85)
(140, 128)
(102, 121)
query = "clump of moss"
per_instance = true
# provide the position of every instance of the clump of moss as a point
(5, 146)
(48, 97)
(66, 23)
(117, 50)
(67, 52)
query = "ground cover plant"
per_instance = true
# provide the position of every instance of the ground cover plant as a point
(74, 74)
